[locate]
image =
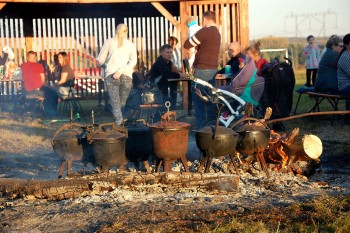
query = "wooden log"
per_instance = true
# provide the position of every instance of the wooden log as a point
(81, 186)
(295, 147)
(303, 148)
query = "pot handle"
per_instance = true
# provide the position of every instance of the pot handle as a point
(64, 127)
(249, 119)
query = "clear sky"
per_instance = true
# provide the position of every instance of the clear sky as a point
(273, 17)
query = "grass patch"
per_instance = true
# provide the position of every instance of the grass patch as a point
(21, 137)
(324, 214)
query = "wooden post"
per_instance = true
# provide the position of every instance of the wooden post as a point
(2, 5)
(244, 23)
(184, 14)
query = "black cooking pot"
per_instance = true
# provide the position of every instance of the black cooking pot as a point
(139, 145)
(254, 135)
(70, 144)
(219, 143)
(67, 146)
(108, 143)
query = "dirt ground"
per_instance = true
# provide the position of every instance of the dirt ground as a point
(26, 153)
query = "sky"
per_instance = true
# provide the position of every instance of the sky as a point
(274, 18)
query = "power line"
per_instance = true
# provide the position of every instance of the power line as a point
(319, 17)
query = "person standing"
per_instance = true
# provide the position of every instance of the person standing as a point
(312, 59)
(119, 56)
(176, 63)
(343, 71)
(176, 55)
(206, 62)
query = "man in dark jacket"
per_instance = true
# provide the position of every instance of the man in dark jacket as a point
(162, 70)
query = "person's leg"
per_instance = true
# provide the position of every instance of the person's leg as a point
(200, 108)
(163, 88)
(314, 74)
(114, 98)
(308, 78)
(51, 100)
(346, 91)
(124, 91)
(173, 93)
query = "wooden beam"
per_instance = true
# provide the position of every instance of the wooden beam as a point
(82, 1)
(2, 5)
(166, 14)
(244, 23)
(184, 14)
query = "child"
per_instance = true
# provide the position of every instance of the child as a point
(193, 27)
(312, 59)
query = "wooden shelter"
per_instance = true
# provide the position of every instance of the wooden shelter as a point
(81, 26)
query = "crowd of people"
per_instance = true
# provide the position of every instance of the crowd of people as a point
(331, 68)
(327, 72)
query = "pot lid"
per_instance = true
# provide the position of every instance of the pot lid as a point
(66, 135)
(220, 130)
(108, 135)
(251, 127)
(170, 125)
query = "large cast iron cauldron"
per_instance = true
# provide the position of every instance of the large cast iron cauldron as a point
(254, 137)
(170, 140)
(108, 143)
(70, 144)
(215, 141)
(139, 144)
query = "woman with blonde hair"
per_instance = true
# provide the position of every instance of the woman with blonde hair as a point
(118, 56)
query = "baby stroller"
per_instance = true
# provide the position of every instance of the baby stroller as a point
(246, 88)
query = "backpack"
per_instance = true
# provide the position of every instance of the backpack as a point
(279, 87)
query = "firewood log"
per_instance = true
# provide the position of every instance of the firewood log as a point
(303, 148)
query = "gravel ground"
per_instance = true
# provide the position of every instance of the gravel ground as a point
(162, 208)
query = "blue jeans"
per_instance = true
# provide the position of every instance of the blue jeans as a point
(118, 91)
(346, 91)
(203, 111)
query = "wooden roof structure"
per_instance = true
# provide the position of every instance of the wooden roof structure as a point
(186, 9)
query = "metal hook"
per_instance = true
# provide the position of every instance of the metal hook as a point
(167, 105)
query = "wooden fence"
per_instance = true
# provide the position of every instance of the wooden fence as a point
(83, 38)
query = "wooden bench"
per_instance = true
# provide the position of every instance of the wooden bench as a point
(332, 99)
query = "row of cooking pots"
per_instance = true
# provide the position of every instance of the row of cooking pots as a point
(109, 145)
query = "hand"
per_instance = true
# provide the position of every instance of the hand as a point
(182, 75)
(116, 75)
